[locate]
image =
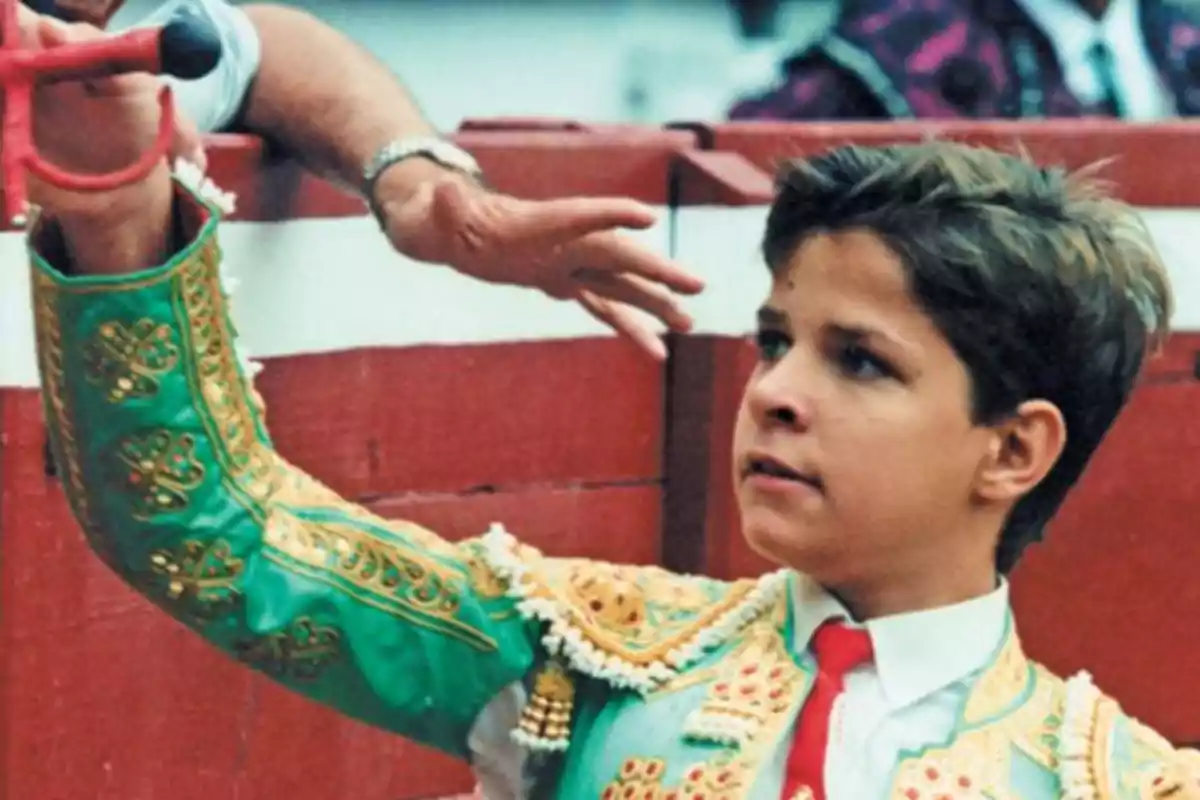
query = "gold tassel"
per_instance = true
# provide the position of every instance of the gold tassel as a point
(546, 719)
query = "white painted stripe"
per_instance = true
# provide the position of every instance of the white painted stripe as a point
(311, 286)
(721, 244)
(325, 285)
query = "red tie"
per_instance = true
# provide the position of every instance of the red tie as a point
(838, 650)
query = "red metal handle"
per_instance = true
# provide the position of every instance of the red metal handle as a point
(22, 68)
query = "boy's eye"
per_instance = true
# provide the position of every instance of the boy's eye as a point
(772, 345)
(860, 363)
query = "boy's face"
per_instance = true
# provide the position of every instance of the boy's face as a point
(858, 394)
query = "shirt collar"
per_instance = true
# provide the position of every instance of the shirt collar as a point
(917, 653)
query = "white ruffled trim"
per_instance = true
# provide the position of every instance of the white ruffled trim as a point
(190, 175)
(193, 178)
(540, 743)
(563, 638)
(1078, 733)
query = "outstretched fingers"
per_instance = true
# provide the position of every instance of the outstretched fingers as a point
(615, 254)
(634, 290)
(625, 321)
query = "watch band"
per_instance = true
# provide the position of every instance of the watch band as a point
(436, 150)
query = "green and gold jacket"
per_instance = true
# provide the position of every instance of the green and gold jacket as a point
(554, 677)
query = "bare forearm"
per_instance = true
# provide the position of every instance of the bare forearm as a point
(120, 232)
(323, 97)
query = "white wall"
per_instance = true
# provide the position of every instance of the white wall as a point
(601, 60)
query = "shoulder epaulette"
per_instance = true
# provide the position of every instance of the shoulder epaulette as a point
(634, 627)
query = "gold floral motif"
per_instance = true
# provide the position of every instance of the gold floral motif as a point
(159, 469)
(639, 615)
(199, 578)
(128, 361)
(300, 653)
(643, 779)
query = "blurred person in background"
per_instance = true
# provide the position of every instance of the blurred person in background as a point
(942, 59)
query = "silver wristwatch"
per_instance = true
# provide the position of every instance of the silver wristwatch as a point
(436, 150)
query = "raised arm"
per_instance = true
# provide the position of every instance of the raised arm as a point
(172, 476)
(171, 473)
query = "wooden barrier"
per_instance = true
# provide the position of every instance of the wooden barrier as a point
(1112, 590)
(425, 395)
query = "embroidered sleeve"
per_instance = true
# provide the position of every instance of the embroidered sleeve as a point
(169, 469)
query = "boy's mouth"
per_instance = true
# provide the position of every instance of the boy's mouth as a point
(761, 464)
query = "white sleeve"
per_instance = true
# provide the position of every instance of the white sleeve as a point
(213, 102)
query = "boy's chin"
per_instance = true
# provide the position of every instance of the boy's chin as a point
(785, 541)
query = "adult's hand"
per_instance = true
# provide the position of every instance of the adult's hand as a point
(570, 248)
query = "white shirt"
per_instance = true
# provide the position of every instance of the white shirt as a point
(213, 102)
(1073, 32)
(911, 695)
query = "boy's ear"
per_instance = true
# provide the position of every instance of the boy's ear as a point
(1024, 448)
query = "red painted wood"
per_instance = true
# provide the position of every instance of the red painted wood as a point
(611, 523)
(539, 164)
(1113, 589)
(446, 419)
(6, 763)
(1152, 165)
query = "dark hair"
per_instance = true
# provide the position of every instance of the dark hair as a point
(1045, 287)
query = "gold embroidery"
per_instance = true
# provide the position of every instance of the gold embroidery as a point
(638, 615)
(200, 578)
(54, 398)
(391, 577)
(240, 442)
(299, 653)
(1001, 685)
(128, 361)
(947, 774)
(161, 468)
(298, 491)
(757, 682)
(731, 773)
(485, 582)
(644, 779)
(391, 565)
